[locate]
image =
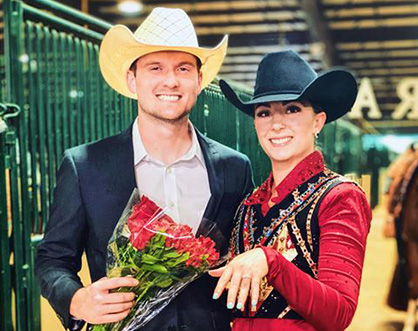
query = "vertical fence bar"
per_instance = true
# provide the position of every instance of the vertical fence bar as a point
(106, 109)
(40, 105)
(49, 97)
(79, 89)
(33, 132)
(73, 93)
(65, 92)
(57, 77)
(5, 270)
(112, 106)
(99, 97)
(18, 250)
(84, 83)
(92, 91)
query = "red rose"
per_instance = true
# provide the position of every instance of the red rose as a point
(138, 221)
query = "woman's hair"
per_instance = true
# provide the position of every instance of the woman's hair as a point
(316, 108)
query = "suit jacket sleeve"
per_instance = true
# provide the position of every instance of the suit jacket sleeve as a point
(249, 183)
(329, 302)
(58, 257)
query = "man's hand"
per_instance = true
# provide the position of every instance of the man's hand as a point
(95, 303)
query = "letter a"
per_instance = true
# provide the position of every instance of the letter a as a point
(365, 99)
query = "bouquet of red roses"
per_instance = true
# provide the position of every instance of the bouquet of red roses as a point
(165, 256)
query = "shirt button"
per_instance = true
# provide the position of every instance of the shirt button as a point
(169, 170)
(171, 204)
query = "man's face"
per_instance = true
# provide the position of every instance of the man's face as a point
(166, 83)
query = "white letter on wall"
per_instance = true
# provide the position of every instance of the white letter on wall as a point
(407, 90)
(365, 99)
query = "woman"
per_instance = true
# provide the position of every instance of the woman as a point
(299, 239)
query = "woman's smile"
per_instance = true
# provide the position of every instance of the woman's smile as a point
(280, 141)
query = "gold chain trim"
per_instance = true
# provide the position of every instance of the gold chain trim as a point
(308, 223)
(284, 312)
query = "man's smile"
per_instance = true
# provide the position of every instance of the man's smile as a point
(168, 97)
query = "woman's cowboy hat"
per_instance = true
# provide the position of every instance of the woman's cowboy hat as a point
(285, 76)
(165, 29)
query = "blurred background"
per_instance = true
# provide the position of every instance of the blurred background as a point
(52, 97)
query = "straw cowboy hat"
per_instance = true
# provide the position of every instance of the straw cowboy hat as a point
(165, 29)
(285, 76)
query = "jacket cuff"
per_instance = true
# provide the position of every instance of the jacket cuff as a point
(273, 262)
(75, 324)
(62, 300)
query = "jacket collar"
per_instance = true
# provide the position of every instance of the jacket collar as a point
(140, 153)
(215, 168)
(310, 166)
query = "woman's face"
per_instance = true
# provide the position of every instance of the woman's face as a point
(286, 130)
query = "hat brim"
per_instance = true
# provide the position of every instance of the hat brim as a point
(334, 91)
(119, 49)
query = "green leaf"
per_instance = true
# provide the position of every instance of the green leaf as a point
(182, 258)
(99, 327)
(114, 249)
(164, 283)
(115, 272)
(171, 255)
(122, 271)
(155, 267)
(150, 259)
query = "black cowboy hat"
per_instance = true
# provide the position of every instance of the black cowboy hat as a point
(285, 76)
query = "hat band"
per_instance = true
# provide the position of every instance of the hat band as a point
(276, 93)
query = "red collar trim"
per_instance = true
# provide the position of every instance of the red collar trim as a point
(310, 166)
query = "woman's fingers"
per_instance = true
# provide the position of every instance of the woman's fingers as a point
(244, 273)
(233, 289)
(217, 272)
(222, 282)
(243, 291)
(255, 292)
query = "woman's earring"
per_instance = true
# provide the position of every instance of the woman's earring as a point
(316, 135)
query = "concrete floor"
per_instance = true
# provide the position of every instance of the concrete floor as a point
(372, 313)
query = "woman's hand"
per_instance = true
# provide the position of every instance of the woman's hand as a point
(243, 273)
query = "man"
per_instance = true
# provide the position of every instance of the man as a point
(162, 154)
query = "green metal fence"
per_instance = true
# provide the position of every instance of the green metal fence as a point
(53, 97)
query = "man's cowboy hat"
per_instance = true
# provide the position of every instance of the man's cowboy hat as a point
(285, 76)
(165, 29)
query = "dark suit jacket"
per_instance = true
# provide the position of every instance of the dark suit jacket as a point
(94, 183)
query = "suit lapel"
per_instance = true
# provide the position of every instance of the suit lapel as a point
(215, 170)
(123, 171)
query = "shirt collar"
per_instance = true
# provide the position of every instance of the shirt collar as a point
(140, 153)
(310, 166)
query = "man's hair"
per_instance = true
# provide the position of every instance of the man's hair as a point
(133, 65)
